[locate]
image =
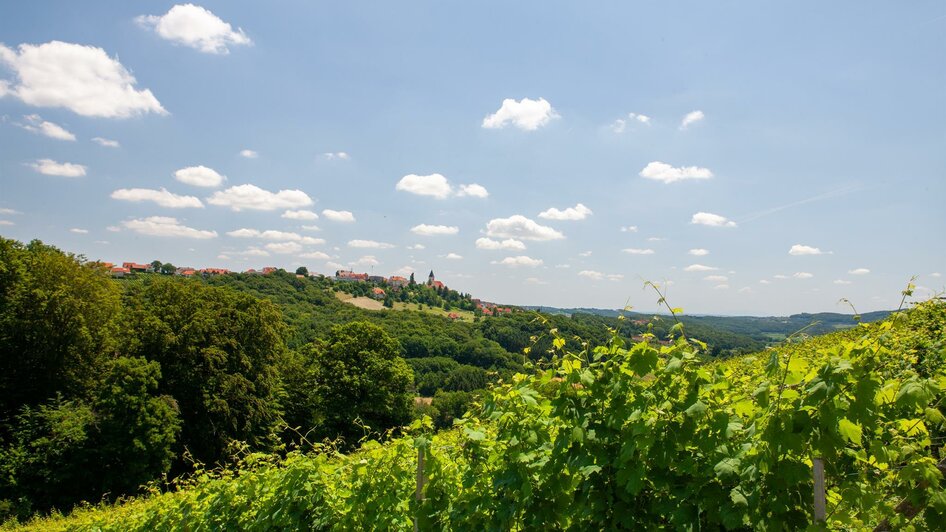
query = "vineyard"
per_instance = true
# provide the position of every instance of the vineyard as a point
(627, 436)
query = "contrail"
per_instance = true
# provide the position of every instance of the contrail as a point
(827, 195)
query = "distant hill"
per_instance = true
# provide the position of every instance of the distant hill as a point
(760, 328)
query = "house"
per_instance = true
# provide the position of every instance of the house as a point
(251, 271)
(269, 269)
(397, 281)
(375, 279)
(214, 271)
(348, 275)
(134, 267)
(453, 316)
(186, 272)
(377, 293)
(119, 271)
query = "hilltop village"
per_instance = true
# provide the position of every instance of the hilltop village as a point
(432, 293)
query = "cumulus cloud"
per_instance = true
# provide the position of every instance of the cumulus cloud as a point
(699, 268)
(699, 252)
(936, 274)
(107, 143)
(473, 190)
(83, 79)
(251, 197)
(629, 229)
(591, 274)
(284, 248)
(535, 280)
(7, 211)
(196, 27)
(509, 243)
(279, 236)
(452, 256)
(712, 220)
(166, 226)
(311, 228)
(585, 253)
(6, 222)
(520, 260)
(764, 281)
(716, 278)
(79, 231)
(51, 167)
(578, 212)
(35, 124)
(416, 246)
(520, 228)
(643, 119)
(638, 251)
(841, 281)
(619, 125)
(315, 255)
(434, 185)
(365, 261)
(691, 118)
(248, 154)
(300, 215)
(859, 271)
(802, 275)
(199, 176)
(525, 114)
(721, 287)
(665, 173)
(780, 276)
(338, 216)
(336, 156)
(161, 197)
(801, 249)
(434, 230)
(369, 244)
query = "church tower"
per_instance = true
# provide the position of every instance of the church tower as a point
(430, 278)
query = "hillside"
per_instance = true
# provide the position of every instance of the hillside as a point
(625, 436)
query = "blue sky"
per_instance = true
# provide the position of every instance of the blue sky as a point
(801, 146)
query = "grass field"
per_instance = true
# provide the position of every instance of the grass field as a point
(371, 304)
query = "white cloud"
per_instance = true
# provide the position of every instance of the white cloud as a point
(801, 249)
(334, 265)
(199, 176)
(936, 274)
(661, 171)
(841, 281)
(78, 231)
(6, 211)
(745, 290)
(585, 253)
(51, 167)
(311, 228)
(520, 228)
(83, 79)
(615, 276)
(452, 256)
(656, 239)
(509, 243)
(106, 142)
(721, 287)
(699, 268)
(712, 220)
(578, 212)
(525, 114)
(434, 230)
(716, 278)
(434, 185)
(6, 222)
(161, 197)
(367, 260)
(618, 126)
(802, 275)
(859, 271)
(165, 226)
(563, 266)
(699, 252)
(195, 27)
(764, 281)
(255, 252)
(591, 274)
(629, 229)
(780, 276)
(643, 119)
(638, 251)
(315, 255)
(36, 124)
(416, 246)
(284, 248)
(113, 228)
(691, 118)
(300, 215)
(251, 197)
(369, 244)
(535, 280)
(520, 260)
(274, 235)
(474, 190)
(248, 154)
(338, 216)
(336, 155)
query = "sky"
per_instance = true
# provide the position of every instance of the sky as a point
(761, 159)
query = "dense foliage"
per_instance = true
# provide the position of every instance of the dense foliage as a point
(628, 436)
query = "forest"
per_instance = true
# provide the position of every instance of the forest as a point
(116, 387)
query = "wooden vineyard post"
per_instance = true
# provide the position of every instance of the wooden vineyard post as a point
(421, 480)
(817, 470)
